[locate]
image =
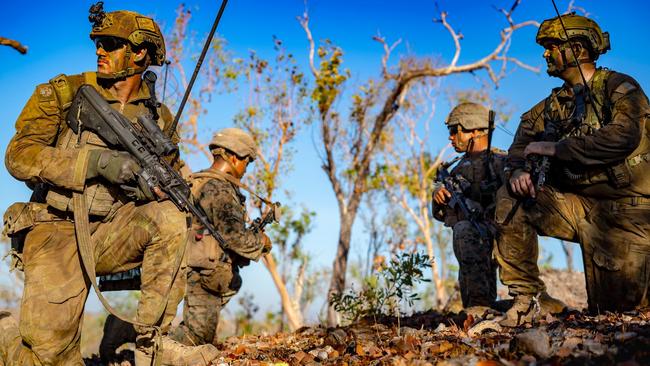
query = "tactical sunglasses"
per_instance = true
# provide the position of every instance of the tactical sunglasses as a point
(455, 128)
(109, 44)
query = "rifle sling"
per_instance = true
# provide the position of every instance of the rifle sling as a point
(87, 256)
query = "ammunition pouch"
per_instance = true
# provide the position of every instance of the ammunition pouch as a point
(19, 218)
(223, 280)
(204, 251)
(22, 216)
(620, 175)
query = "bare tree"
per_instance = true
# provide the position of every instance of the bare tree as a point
(349, 145)
(568, 253)
(13, 44)
(273, 114)
(409, 171)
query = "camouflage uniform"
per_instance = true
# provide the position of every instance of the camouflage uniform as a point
(212, 274)
(477, 268)
(597, 192)
(45, 154)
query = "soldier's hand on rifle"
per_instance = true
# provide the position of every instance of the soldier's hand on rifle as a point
(142, 192)
(441, 196)
(268, 245)
(545, 148)
(521, 184)
(117, 167)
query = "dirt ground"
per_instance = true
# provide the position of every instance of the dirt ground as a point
(432, 338)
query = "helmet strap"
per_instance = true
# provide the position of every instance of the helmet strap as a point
(221, 152)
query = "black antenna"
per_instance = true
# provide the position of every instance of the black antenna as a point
(167, 62)
(172, 128)
(488, 157)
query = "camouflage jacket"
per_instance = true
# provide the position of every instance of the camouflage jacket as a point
(44, 152)
(592, 158)
(479, 187)
(224, 204)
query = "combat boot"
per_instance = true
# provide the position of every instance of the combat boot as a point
(550, 304)
(116, 333)
(9, 337)
(177, 354)
(530, 308)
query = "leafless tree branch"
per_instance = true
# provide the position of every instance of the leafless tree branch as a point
(13, 44)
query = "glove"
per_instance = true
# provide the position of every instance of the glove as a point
(140, 193)
(268, 245)
(117, 167)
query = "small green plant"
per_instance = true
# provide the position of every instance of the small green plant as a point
(382, 293)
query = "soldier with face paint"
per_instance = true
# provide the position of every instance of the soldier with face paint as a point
(479, 173)
(129, 226)
(597, 191)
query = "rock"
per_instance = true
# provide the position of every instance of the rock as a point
(483, 326)
(595, 347)
(436, 348)
(622, 337)
(533, 341)
(322, 355)
(408, 330)
(337, 339)
(568, 346)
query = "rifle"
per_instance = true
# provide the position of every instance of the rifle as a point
(458, 199)
(146, 143)
(272, 215)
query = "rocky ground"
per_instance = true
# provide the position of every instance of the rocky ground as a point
(433, 338)
(572, 338)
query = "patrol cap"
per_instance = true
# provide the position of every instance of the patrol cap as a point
(577, 26)
(470, 116)
(138, 29)
(235, 140)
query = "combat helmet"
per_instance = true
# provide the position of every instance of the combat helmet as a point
(577, 26)
(470, 116)
(136, 28)
(235, 140)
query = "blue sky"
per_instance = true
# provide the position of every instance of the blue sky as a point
(57, 36)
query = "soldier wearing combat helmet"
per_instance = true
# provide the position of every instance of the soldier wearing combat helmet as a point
(212, 271)
(478, 173)
(597, 190)
(128, 225)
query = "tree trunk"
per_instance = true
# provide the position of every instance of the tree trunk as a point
(339, 268)
(435, 274)
(294, 318)
(568, 252)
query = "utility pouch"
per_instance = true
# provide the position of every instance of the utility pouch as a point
(620, 175)
(21, 216)
(203, 251)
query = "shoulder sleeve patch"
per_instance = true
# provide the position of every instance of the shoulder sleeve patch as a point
(45, 93)
(625, 88)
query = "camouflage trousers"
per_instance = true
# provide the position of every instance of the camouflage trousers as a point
(614, 236)
(55, 292)
(477, 275)
(207, 291)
